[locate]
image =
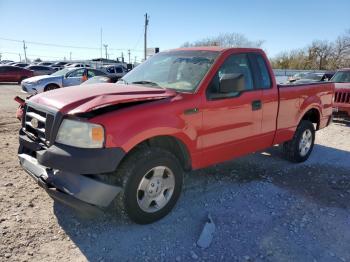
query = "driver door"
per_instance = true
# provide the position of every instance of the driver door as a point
(231, 123)
(74, 77)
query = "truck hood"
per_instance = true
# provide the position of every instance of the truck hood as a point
(86, 98)
(342, 85)
(35, 79)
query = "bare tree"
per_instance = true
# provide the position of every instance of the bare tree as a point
(225, 40)
(322, 55)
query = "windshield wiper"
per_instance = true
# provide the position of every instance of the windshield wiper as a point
(145, 82)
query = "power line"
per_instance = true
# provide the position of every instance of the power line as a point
(62, 46)
(32, 55)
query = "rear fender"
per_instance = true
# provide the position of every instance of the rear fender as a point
(312, 102)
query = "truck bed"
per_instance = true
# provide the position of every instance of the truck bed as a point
(294, 101)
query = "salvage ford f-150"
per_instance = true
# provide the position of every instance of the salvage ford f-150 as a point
(183, 109)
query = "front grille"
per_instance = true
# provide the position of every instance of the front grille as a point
(342, 97)
(38, 124)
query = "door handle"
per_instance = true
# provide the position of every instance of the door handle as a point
(191, 111)
(256, 105)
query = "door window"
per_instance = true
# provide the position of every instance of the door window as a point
(110, 70)
(76, 73)
(264, 76)
(118, 70)
(235, 64)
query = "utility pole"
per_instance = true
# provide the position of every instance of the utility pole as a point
(129, 55)
(25, 52)
(135, 60)
(70, 56)
(105, 50)
(101, 42)
(20, 58)
(145, 39)
(122, 57)
(0, 56)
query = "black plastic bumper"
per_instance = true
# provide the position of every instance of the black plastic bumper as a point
(62, 171)
(73, 189)
(72, 159)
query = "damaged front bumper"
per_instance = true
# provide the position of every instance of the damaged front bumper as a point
(83, 191)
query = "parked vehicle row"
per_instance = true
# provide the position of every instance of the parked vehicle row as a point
(63, 78)
(310, 77)
(14, 74)
(180, 110)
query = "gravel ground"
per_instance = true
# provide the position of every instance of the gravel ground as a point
(264, 209)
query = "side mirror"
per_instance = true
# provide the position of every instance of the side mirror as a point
(230, 83)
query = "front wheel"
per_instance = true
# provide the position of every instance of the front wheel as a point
(50, 87)
(152, 180)
(300, 147)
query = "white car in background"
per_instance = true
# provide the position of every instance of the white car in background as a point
(65, 77)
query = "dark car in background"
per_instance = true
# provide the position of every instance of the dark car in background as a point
(14, 74)
(41, 70)
(58, 65)
(21, 64)
(45, 63)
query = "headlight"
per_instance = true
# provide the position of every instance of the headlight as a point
(80, 134)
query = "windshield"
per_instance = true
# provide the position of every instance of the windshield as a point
(61, 72)
(341, 77)
(178, 70)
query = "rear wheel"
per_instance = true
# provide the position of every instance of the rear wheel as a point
(50, 87)
(300, 147)
(152, 180)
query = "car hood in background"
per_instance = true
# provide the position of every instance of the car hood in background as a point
(86, 98)
(342, 85)
(35, 79)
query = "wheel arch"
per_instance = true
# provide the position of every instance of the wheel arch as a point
(170, 143)
(313, 115)
(51, 84)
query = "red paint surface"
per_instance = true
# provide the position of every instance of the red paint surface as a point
(15, 76)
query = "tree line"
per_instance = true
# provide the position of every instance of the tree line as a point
(319, 55)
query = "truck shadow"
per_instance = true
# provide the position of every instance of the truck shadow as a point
(323, 180)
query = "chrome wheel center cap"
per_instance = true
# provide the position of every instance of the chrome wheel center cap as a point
(154, 188)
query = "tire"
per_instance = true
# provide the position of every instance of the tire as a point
(50, 87)
(22, 78)
(300, 147)
(152, 181)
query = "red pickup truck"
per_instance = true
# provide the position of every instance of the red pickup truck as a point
(183, 109)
